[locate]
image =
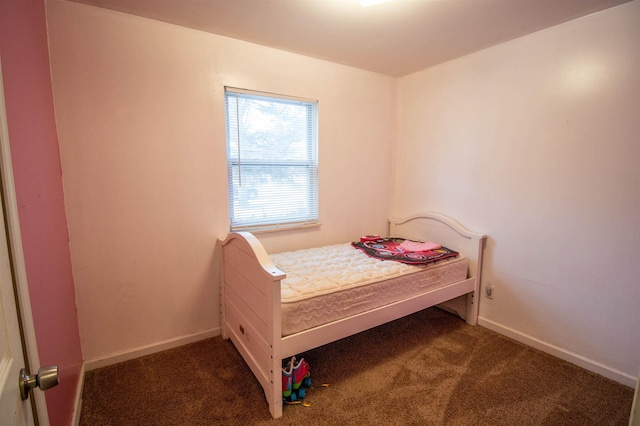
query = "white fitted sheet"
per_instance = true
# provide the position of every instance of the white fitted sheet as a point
(328, 283)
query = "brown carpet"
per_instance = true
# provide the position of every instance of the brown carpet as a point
(429, 368)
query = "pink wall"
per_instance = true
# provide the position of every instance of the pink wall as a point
(38, 182)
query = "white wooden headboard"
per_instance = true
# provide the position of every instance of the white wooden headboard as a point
(442, 230)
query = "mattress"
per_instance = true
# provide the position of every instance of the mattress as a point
(328, 283)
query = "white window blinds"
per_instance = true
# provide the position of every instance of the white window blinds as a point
(272, 160)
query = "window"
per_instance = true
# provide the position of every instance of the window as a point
(272, 160)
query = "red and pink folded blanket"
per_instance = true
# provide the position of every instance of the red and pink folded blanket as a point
(405, 251)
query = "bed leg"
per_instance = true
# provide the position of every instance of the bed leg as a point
(223, 322)
(275, 407)
(473, 299)
(275, 387)
(472, 309)
(473, 302)
(223, 332)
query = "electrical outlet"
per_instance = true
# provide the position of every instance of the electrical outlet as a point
(488, 290)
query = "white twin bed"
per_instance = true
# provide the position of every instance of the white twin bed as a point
(332, 292)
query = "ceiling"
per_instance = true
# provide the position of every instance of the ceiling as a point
(395, 38)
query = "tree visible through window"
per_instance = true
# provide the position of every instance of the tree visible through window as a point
(272, 160)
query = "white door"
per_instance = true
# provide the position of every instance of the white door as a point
(13, 411)
(634, 420)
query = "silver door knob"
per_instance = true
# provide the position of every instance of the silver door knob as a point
(46, 378)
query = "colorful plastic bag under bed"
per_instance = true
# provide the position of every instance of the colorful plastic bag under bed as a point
(296, 379)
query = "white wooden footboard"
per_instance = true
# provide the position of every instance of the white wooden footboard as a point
(250, 308)
(250, 299)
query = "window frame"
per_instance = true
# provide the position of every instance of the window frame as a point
(310, 165)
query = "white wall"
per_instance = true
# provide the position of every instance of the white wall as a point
(534, 142)
(537, 143)
(140, 113)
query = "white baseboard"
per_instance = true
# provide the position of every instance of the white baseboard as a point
(152, 348)
(573, 358)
